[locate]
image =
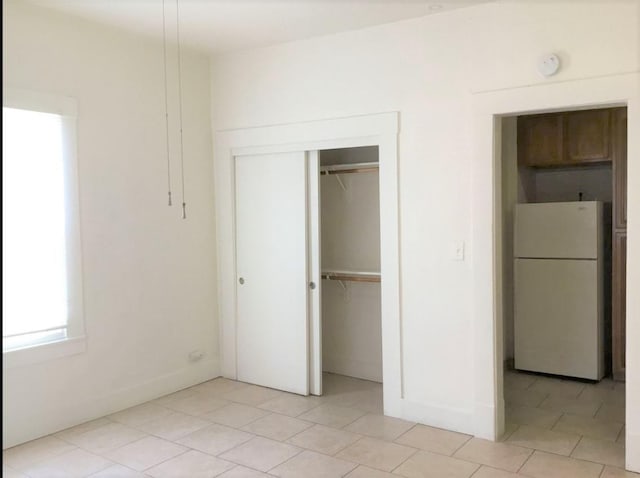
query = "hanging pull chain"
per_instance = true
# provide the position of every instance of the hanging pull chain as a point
(166, 101)
(184, 204)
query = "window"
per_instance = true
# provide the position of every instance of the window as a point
(41, 260)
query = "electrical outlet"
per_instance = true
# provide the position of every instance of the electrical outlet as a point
(195, 355)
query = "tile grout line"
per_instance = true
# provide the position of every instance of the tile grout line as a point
(598, 409)
(160, 462)
(526, 460)
(302, 450)
(576, 446)
(562, 414)
(415, 452)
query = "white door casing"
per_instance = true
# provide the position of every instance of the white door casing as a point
(488, 108)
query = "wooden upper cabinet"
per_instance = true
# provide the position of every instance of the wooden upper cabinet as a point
(588, 136)
(540, 140)
(565, 139)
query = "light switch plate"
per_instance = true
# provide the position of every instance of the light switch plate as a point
(458, 251)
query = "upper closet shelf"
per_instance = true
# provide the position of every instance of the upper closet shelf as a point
(352, 276)
(350, 168)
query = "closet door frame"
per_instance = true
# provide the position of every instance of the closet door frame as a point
(369, 130)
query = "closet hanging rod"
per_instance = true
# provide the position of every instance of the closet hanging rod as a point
(352, 276)
(350, 168)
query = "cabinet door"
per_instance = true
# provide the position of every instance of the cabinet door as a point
(271, 257)
(588, 136)
(618, 319)
(540, 140)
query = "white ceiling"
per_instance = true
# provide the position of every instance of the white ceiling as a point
(226, 25)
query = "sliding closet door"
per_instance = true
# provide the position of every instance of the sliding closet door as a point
(272, 290)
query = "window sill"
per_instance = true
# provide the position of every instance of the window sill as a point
(43, 352)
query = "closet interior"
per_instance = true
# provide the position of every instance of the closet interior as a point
(350, 262)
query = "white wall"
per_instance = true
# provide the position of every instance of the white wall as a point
(350, 225)
(149, 279)
(429, 69)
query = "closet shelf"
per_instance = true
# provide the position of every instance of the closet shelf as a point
(350, 168)
(352, 276)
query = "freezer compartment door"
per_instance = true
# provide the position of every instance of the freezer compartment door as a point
(558, 324)
(558, 230)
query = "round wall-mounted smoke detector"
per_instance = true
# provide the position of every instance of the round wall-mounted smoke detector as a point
(549, 64)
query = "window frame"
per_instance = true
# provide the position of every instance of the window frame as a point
(75, 341)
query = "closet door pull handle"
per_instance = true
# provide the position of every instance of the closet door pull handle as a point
(241, 280)
(312, 285)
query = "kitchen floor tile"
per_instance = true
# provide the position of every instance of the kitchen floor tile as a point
(425, 464)
(379, 426)
(21, 456)
(332, 415)
(574, 406)
(252, 395)
(313, 465)
(557, 387)
(377, 454)
(291, 405)
(118, 471)
(277, 427)
(523, 398)
(543, 439)
(518, 381)
(243, 472)
(611, 472)
(437, 440)
(366, 472)
(531, 416)
(261, 454)
(145, 453)
(326, 440)
(192, 464)
(140, 414)
(548, 465)
(614, 413)
(196, 404)
(589, 427)
(219, 386)
(82, 428)
(235, 415)
(73, 463)
(600, 451)
(215, 439)
(174, 426)
(497, 455)
(8, 472)
(106, 438)
(488, 472)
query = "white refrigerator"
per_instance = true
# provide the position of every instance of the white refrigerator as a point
(558, 289)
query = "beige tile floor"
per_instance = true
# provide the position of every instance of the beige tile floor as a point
(555, 428)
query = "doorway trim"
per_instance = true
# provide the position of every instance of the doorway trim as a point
(368, 130)
(488, 110)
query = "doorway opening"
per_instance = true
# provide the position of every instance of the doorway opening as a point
(562, 213)
(350, 312)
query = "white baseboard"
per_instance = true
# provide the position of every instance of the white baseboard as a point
(632, 451)
(353, 368)
(454, 419)
(62, 416)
